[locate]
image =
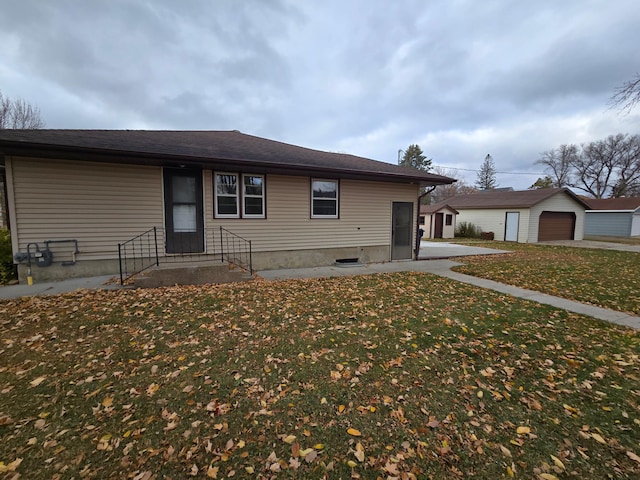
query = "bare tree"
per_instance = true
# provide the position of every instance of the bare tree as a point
(558, 163)
(594, 169)
(627, 95)
(628, 168)
(442, 192)
(19, 114)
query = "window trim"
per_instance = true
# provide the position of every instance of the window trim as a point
(216, 194)
(337, 199)
(448, 219)
(245, 196)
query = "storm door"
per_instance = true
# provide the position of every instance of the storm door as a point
(401, 233)
(183, 212)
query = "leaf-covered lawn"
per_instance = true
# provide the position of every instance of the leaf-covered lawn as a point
(605, 278)
(386, 376)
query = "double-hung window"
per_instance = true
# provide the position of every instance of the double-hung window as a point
(324, 198)
(253, 196)
(226, 198)
(239, 196)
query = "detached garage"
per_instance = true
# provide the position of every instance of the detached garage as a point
(526, 216)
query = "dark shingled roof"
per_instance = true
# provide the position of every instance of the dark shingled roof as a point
(435, 208)
(209, 149)
(515, 199)
(624, 203)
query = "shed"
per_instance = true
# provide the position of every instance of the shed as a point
(525, 216)
(613, 217)
(438, 221)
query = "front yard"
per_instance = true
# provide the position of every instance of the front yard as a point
(386, 376)
(608, 279)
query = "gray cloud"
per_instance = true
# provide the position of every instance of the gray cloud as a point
(461, 78)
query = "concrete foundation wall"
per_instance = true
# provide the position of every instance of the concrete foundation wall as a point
(57, 271)
(318, 257)
(261, 261)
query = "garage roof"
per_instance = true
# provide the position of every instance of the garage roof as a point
(513, 199)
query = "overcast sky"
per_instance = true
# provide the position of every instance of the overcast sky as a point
(461, 78)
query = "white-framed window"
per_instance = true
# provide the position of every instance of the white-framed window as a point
(226, 195)
(324, 198)
(253, 196)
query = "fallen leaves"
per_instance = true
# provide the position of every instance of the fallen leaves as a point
(298, 379)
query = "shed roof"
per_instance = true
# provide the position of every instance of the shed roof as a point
(624, 203)
(213, 149)
(515, 199)
(429, 209)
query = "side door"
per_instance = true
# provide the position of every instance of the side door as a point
(511, 227)
(183, 210)
(401, 230)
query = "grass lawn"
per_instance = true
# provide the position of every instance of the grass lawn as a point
(605, 278)
(383, 376)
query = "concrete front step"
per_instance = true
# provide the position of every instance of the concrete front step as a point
(167, 275)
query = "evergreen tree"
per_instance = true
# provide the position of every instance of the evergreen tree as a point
(413, 157)
(487, 175)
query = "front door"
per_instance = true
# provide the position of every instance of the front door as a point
(401, 233)
(183, 217)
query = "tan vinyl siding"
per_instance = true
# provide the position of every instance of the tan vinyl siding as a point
(493, 220)
(557, 203)
(365, 215)
(100, 205)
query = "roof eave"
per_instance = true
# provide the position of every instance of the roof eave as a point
(42, 150)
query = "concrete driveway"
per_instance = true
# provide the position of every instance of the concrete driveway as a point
(436, 250)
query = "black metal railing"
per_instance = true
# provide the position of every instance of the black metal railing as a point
(138, 254)
(201, 245)
(236, 250)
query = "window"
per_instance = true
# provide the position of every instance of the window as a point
(421, 219)
(253, 196)
(324, 199)
(232, 190)
(448, 219)
(226, 195)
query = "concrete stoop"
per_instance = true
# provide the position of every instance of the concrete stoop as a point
(190, 274)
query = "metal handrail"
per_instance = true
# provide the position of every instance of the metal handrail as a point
(133, 252)
(239, 252)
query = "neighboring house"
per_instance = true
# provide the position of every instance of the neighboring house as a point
(438, 221)
(526, 216)
(616, 217)
(299, 207)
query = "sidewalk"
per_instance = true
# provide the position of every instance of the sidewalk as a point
(435, 267)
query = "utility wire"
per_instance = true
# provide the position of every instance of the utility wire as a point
(504, 173)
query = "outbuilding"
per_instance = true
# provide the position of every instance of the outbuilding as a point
(613, 217)
(525, 216)
(438, 221)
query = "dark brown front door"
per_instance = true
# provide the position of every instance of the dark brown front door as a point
(183, 217)
(556, 226)
(438, 225)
